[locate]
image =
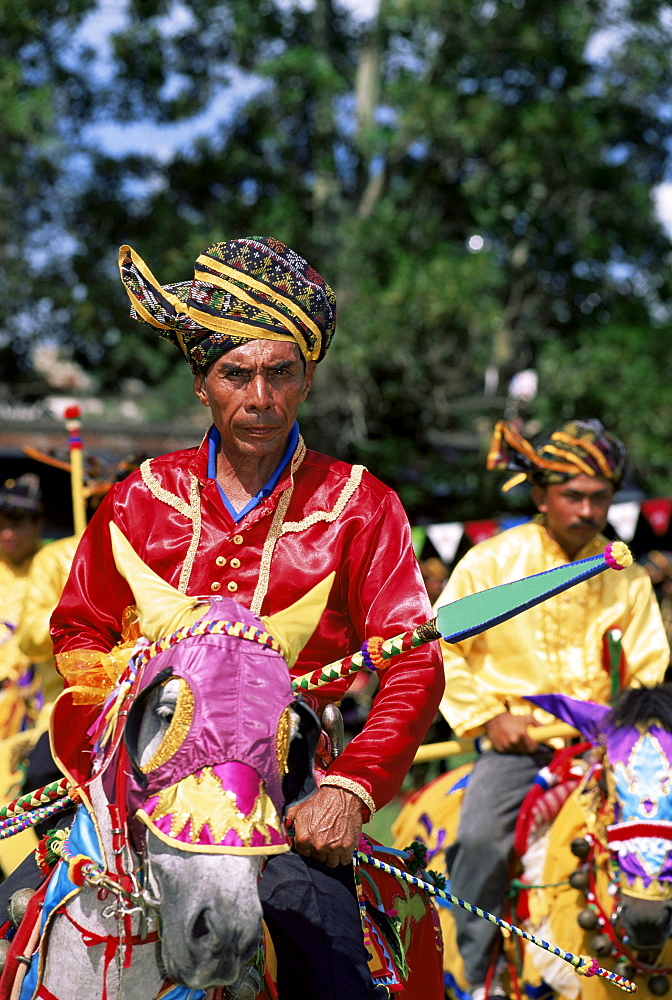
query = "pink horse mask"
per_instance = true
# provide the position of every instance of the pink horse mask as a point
(223, 773)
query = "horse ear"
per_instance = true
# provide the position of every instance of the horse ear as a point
(294, 626)
(161, 608)
(299, 781)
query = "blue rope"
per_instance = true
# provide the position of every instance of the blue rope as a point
(583, 965)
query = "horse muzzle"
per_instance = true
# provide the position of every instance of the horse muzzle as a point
(644, 924)
(210, 913)
(211, 953)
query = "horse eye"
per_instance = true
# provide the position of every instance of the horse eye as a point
(165, 712)
(166, 725)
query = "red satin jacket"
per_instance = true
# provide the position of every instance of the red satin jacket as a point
(323, 515)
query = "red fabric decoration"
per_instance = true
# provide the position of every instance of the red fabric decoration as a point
(21, 940)
(478, 531)
(658, 513)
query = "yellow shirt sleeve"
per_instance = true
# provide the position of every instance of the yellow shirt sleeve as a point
(46, 578)
(557, 646)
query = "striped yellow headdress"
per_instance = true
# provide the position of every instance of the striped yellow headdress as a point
(579, 446)
(244, 289)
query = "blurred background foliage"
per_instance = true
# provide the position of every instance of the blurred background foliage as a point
(474, 177)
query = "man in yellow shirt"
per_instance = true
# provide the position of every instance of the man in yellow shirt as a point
(603, 635)
(21, 524)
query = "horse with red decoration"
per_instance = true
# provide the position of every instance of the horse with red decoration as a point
(199, 747)
(593, 850)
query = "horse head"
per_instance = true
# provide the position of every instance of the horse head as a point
(203, 747)
(633, 774)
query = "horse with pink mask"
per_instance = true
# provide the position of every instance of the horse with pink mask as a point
(199, 748)
(211, 778)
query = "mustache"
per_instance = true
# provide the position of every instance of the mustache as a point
(585, 522)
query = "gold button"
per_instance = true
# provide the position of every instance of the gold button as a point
(237, 539)
(231, 585)
(235, 563)
(220, 560)
(215, 586)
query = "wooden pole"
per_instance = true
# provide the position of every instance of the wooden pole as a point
(73, 423)
(439, 751)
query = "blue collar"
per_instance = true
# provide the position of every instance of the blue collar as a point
(214, 440)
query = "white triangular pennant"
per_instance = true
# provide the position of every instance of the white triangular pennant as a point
(623, 517)
(445, 538)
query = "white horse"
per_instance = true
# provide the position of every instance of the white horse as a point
(198, 750)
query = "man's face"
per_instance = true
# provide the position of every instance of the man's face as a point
(575, 511)
(253, 393)
(19, 537)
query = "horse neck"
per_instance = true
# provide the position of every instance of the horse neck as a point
(103, 820)
(73, 966)
(118, 853)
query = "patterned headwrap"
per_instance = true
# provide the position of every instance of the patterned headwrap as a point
(22, 497)
(579, 446)
(245, 289)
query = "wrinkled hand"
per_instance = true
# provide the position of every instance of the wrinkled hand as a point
(327, 825)
(508, 733)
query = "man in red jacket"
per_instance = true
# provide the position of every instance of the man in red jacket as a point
(253, 513)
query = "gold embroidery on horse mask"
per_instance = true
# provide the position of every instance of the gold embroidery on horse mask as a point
(201, 800)
(177, 731)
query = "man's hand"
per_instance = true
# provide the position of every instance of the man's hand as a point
(508, 733)
(327, 825)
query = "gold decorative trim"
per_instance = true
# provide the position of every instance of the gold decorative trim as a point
(152, 484)
(195, 513)
(352, 484)
(282, 741)
(208, 848)
(274, 533)
(177, 731)
(338, 781)
(279, 527)
(190, 510)
(656, 889)
(201, 800)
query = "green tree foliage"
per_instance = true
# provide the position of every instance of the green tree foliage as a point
(34, 88)
(624, 375)
(475, 185)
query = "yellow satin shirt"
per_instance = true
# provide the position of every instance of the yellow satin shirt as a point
(13, 583)
(557, 646)
(49, 571)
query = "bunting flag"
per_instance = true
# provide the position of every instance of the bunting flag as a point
(445, 538)
(418, 536)
(657, 513)
(478, 531)
(624, 518)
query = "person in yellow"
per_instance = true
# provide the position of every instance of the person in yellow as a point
(44, 585)
(603, 635)
(46, 579)
(21, 524)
